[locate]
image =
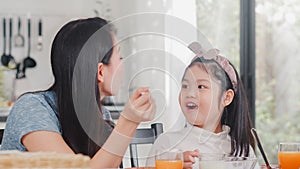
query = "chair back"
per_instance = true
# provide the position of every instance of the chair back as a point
(1, 135)
(143, 136)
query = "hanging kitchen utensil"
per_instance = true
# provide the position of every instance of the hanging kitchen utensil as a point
(4, 57)
(19, 38)
(8, 60)
(28, 62)
(12, 63)
(20, 71)
(40, 39)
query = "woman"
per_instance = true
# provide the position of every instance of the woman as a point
(68, 117)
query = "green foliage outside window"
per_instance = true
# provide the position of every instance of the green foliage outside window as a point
(277, 62)
(3, 95)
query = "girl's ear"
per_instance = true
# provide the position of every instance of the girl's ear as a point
(100, 74)
(228, 97)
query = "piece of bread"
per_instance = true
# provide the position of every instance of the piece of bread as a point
(37, 160)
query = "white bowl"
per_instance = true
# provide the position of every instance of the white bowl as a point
(240, 162)
(214, 161)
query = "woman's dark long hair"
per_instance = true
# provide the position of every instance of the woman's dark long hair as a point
(65, 52)
(236, 115)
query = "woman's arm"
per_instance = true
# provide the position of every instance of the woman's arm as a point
(139, 108)
(109, 156)
(45, 141)
(113, 150)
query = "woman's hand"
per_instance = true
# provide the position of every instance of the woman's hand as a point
(189, 158)
(140, 107)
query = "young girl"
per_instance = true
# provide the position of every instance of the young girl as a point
(68, 117)
(214, 103)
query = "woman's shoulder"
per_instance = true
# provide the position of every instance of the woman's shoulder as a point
(33, 108)
(31, 112)
(43, 98)
(34, 102)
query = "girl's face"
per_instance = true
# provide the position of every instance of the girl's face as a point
(112, 73)
(200, 99)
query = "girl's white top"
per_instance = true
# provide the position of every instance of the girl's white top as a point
(191, 138)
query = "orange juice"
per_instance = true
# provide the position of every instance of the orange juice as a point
(289, 160)
(168, 164)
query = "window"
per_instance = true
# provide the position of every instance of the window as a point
(277, 73)
(277, 79)
(220, 23)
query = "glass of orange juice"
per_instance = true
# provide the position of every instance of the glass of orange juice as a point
(289, 155)
(169, 160)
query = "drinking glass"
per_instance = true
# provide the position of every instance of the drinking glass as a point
(169, 160)
(289, 155)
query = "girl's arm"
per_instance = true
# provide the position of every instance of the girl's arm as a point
(189, 158)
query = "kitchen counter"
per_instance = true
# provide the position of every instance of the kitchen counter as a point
(2, 125)
(4, 111)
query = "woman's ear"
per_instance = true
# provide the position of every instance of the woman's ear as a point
(100, 74)
(228, 97)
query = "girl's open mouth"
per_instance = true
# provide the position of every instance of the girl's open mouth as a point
(191, 106)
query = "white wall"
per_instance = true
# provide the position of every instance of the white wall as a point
(163, 58)
(138, 48)
(149, 51)
(54, 13)
(153, 60)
